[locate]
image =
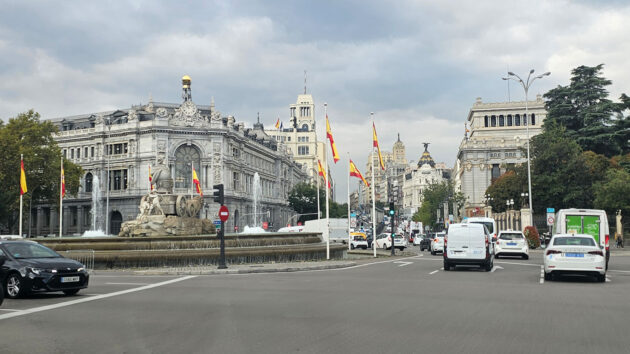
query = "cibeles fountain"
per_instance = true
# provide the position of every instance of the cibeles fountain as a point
(163, 213)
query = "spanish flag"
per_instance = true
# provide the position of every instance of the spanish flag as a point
(322, 172)
(332, 141)
(150, 178)
(23, 188)
(63, 182)
(196, 182)
(278, 124)
(354, 172)
(375, 144)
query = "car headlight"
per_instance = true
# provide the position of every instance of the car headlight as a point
(35, 270)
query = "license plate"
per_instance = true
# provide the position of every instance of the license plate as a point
(511, 243)
(575, 255)
(69, 279)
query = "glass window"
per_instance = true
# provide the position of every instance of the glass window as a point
(501, 121)
(88, 183)
(72, 153)
(21, 250)
(487, 224)
(511, 236)
(185, 157)
(485, 121)
(573, 241)
(78, 153)
(517, 120)
(509, 120)
(92, 151)
(533, 119)
(493, 121)
(496, 171)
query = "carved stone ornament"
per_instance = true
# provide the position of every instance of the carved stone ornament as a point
(468, 166)
(132, 115)
(99, 119)
(161, 112)
(187, 115)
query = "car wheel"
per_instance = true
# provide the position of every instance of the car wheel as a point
(447, 266)
(1, 294)
(547, 276)
(432, 252)
(351, 246)
(14, 286)
(496, 256)
(525, 256)
(601, 278)
(489, 265)
(385, 247)
(71, 292)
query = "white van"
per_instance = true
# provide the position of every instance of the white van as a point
(489, 223)
(468, 244)
(592, 222)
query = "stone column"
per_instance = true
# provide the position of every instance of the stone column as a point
(80, 219)
(54, 220)
(66, 211)
(488, 211)
(526, 219)
(40, 217)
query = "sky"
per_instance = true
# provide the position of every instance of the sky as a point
(418, 65)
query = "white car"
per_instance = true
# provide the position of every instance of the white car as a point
(417, 238)
(489, 223)
(574, 254)
(358, 241)
(511, 243)
(468, 244)
(384, 241)
(437, 245)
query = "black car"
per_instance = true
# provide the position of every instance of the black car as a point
(425, 243)
(30, 267)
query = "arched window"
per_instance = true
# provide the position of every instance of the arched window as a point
(185, 157)
(305, 127)
(517, 120)
(524, 119)
(493, 121)
(501, 120)
(485, 121)
(533, 119)
(88, 183)
(509, 120)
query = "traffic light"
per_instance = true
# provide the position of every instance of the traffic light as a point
(391, 209)
(217, 193)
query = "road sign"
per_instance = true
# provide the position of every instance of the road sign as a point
(551, 218)
(224, 214)
(217, 222)
(551, 210)
(265, 225)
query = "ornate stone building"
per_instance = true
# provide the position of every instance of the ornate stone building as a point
(388, 182)
(498, 136)
(127, 141)
(419, 177)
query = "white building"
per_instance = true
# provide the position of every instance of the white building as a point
(498, 136)
(419, 177)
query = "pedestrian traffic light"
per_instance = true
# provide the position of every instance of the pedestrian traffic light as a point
(391, 209)
(217, 193)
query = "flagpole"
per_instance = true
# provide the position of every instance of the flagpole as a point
(61, 199)
(373, 192)
(192, 181)
(327, 182)
(319, 214)
(21, 164)
(349, 237)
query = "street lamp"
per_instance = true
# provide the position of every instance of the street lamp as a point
(526, 85)
(523, 195)
(509, 203)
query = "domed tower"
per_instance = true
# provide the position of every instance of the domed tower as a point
(399, 152)
(426, 157)
(186, 94)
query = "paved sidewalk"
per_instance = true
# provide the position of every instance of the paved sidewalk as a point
(248, 268)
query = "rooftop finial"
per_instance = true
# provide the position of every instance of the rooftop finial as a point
(426, 146)
(398, 136)
(305, 82)
(258, 117)
(186, 94)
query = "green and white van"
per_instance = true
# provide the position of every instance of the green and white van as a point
(592, 222)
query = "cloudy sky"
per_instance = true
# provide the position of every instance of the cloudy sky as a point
(418, 65)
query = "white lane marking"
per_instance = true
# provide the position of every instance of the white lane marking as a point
(402, 263)
(435, 271)
(516, 263)
(93, 298)
(608, 280)
(542, 274)
(127, 283)
(11, 310)
(495, 268)
(323, 270)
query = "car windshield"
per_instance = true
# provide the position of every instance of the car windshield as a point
(29, 250)
(359, 238)
(487, 224)
(573, 241)
(511, 236)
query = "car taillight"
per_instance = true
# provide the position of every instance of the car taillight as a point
(435, 240)
(486, 241)
(607, 242)
(497, 242)
(552, 252)
(445, 240)
(597, 253)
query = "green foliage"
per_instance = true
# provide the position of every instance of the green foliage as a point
(303, 199)
(583, 108)
(433, 197)
(532, 237)
(26, 135)
(613, 193)
(508, 186)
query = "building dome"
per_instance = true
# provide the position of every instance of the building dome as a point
(426, 157)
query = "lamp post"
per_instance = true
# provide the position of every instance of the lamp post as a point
(526, 85)
(523, 196)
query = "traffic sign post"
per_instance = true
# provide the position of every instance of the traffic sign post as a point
(224, 214)
(551, 219)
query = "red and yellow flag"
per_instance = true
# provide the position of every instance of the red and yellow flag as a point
(278, 124)
(354, 172)
(196, 182)
(332, 141)
(375, 144)
(322, 172)
(23, 188)
(63, 182)
(150, 178)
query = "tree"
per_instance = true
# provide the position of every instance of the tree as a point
(589, 117)
(613, 193)
(508, 186)
(26, 135)
(303, 199)
(433, 198)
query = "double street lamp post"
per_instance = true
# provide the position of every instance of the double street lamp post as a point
(526, 85)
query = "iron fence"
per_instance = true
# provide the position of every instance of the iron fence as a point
(86, 257)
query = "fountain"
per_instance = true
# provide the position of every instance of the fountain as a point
(257, 195)
(97, 211)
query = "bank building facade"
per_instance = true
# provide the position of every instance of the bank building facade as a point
(126, 142)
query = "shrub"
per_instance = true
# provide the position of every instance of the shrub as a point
(531, 234)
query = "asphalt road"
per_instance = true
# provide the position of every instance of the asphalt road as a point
(402, 305)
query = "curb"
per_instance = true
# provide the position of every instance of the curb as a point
(205, 271)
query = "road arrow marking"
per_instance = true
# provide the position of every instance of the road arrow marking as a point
(495, 268)
(402, 263)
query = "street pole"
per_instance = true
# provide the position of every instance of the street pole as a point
(392, 212)
(373, 195)
(526, 85)
(222, 264)
(21, 194)
(326, 184)
(349, 237)
(106, 150)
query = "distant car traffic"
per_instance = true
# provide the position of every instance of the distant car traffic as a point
(30, 267)
(468, 244)
(417, 238)
(358, 240)
(437, 245)
(425, 242)
(511, 243)
(384, 241)
(575, 254)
